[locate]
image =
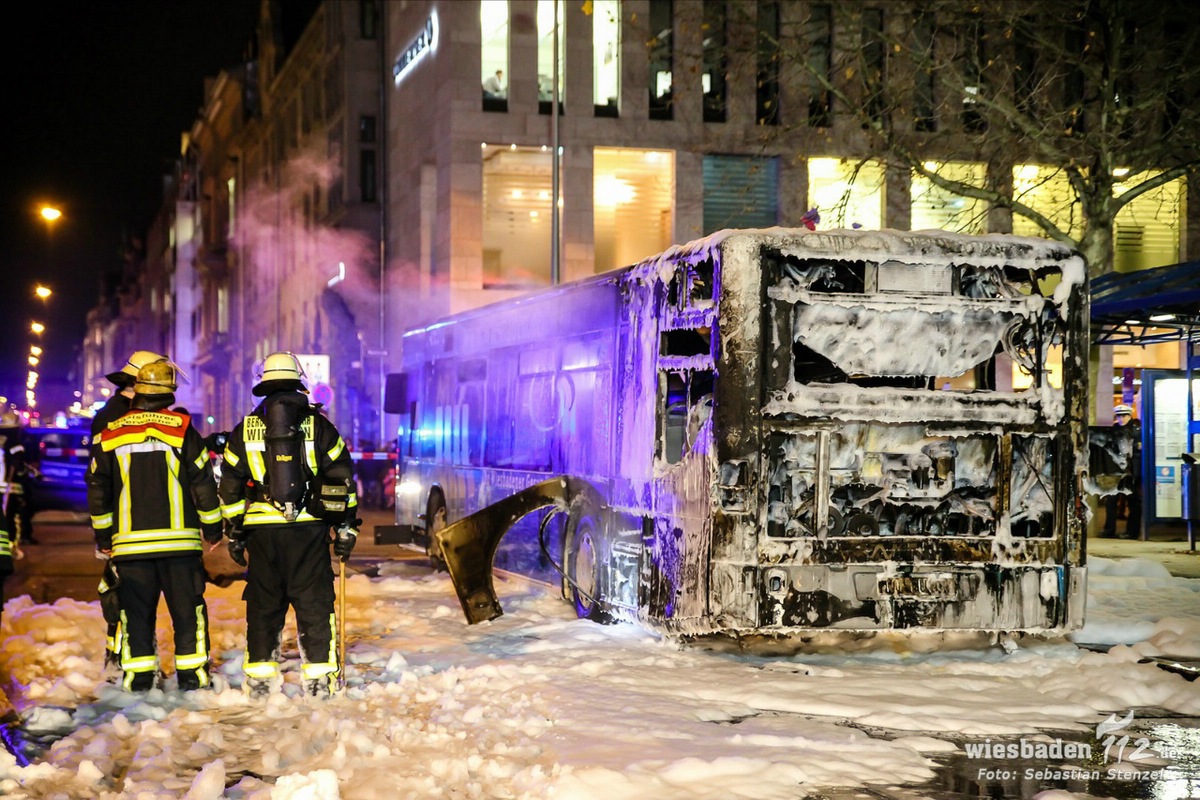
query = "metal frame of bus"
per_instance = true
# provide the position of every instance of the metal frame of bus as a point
(766, 432)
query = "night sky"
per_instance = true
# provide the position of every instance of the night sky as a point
(97, 97)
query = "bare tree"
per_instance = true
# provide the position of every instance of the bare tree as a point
(1100, 94)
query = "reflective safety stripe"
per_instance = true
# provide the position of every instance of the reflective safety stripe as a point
(5, 546)
(102, 521)
(200, 657)
(201, 459)
(317, 669)
(118, 641)
(210, 516)
(337, 449)
(139, 664)
(261, 669)
(263, 513)
(126, 543)
(231, 510)
(174, 490)
(231, 458)
(310, 671)
(124, 520)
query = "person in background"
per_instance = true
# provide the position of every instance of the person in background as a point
(15, 478)
(117, 405)
(1131, 483)
(8, 553)
(287, 476)
(493, 85)
(152, 495)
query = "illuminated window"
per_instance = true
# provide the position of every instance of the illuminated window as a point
(516, 217)
(606, 56)
(935, 208)
(1146, 231)
(493, 27)
(545, 52)
(1047, 191)
(846, 193)
(633, 215)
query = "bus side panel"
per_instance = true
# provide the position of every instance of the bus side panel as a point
(737, 423)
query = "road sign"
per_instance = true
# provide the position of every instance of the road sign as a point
(322, 393)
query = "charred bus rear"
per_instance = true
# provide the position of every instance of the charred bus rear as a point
(767, 432)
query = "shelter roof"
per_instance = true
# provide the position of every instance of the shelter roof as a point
(1147, 306)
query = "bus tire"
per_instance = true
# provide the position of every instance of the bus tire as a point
(435, 520)
(584, 562)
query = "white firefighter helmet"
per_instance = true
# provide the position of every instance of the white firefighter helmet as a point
(281, 366)
(1122, 410)
(127, 374)
(157, 377)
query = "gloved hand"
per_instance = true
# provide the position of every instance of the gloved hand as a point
(343, 545)
(237, 548)
(212, 531)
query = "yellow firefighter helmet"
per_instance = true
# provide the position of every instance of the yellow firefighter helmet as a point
(280, 367)
(157, 377)
(127, 374)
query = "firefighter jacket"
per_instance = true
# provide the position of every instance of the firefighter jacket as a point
(151, 485)
(245, 483)
(14, 469)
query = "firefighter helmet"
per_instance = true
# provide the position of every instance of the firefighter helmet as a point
(281, 366)
(157, 377)
(1123, 410)
(127, 374)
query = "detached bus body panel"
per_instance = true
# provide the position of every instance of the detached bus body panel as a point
(781, 431)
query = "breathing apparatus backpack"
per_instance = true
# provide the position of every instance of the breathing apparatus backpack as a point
(291, 482)
(285, 462)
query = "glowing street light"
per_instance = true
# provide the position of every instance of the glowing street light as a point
(37, 327)
(33, 361)
(35, 350)
(50, 213)
(43, 291)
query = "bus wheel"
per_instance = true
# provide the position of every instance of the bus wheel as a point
(583, 567)
(435, 520)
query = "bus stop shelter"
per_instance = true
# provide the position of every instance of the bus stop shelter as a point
(1153, 306)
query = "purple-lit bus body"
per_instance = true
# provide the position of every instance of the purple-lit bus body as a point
(787, 430)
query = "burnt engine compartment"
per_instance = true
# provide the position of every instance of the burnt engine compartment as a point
(902, 480)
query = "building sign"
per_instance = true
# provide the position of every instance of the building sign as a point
(425, 42)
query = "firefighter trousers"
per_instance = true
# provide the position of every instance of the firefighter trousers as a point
(289, 566)
(180, 581)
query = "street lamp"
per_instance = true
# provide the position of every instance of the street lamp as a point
(50, 214)
(43, 291)
(37, 327)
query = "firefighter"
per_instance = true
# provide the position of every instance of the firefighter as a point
(287, 477)
(152, 495)
(16, 476)
(7, 543)
(110, 605)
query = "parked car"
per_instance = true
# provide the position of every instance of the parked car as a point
(59, 460)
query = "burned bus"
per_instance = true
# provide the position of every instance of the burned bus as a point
(766, 432)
